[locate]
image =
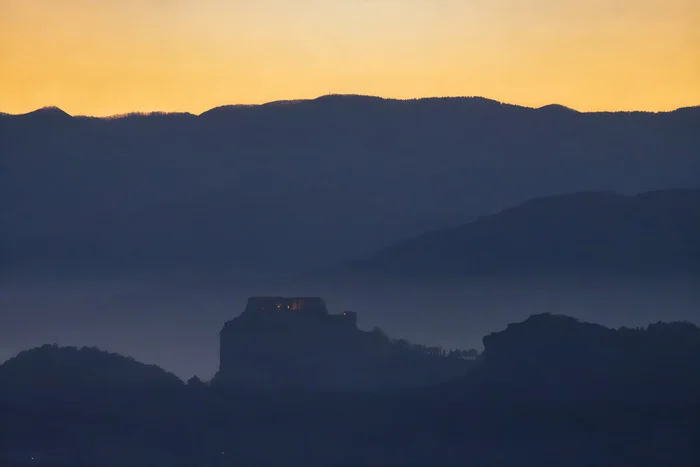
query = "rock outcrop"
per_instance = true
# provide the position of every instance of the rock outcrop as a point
(294, 343)
(553, 356)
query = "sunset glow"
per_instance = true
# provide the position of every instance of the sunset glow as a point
(103, 57)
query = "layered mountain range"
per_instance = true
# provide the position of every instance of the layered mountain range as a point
(653, 233)
(297, 186)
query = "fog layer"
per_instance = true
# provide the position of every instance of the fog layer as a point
(174, 323)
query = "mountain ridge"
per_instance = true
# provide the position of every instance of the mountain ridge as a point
(295, 187)
(656, 217)
(357, 97)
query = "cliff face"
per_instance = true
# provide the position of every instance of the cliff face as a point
(316, 350)
(292, 350)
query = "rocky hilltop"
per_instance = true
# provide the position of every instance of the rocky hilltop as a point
(548, 357)
(296, 343)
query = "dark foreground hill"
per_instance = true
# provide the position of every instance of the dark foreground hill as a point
(652, 233)
(547, 391)
(88, 367)
(303, 185)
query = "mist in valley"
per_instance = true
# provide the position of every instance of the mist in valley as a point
(174, 322)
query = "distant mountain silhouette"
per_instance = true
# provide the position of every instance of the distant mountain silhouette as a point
(50, 112)
(650, 233)
(301, 185)
(556, 108)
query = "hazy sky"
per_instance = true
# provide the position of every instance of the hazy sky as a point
(104, 57)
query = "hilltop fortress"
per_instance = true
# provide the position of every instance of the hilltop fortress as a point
(294, 342)
(300, 308)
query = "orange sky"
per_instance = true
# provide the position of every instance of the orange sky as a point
(104, 57)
